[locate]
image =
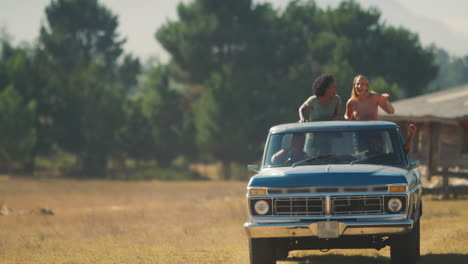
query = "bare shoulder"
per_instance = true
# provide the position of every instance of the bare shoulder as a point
(374, 96)
(351, 103)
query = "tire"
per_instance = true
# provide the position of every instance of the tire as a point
(406, 248)
(262, 251)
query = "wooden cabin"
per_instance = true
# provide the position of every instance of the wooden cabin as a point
(441, 144)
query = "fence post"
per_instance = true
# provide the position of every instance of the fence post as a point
(445, 184)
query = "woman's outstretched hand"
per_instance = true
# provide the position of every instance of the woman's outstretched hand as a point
(413, 129)
(385, 96)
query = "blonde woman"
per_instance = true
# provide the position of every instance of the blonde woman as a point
(363, 104)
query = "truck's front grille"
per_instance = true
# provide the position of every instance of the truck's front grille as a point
(292, 206)
(357, 205)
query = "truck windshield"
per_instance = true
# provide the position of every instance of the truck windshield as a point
(333, 147)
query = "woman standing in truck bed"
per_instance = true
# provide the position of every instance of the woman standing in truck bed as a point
(325, 104)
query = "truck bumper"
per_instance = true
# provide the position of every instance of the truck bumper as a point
(327, 229)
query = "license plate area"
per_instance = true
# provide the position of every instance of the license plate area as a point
(328, 229)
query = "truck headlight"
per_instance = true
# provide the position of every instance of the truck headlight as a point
(261, 207)
(394, 205)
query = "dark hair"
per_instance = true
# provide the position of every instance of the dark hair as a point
(300, 136)
(321, 84)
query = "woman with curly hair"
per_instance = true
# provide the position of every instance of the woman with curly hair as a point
(325, 104)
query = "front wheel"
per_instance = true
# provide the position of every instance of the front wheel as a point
(262, 251)
(406, 248)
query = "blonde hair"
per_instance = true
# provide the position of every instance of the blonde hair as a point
(353, 90)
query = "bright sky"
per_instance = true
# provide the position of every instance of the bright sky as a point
(444, 23)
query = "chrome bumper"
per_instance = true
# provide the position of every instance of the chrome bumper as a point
(324, 230)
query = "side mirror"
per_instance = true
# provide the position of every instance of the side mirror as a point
(414, 164)
(253, 168)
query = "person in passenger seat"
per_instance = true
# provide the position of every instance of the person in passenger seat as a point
(376, 145)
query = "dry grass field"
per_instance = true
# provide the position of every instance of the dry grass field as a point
(172, 223)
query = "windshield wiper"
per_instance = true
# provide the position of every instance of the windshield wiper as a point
(311, 159)
(365, 158)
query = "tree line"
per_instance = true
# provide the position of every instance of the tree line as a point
(236, 68)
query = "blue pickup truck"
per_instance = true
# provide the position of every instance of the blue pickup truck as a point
(334, 185)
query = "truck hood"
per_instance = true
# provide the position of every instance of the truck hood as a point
(329, 175)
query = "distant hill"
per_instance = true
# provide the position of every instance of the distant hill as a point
(431, 30)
